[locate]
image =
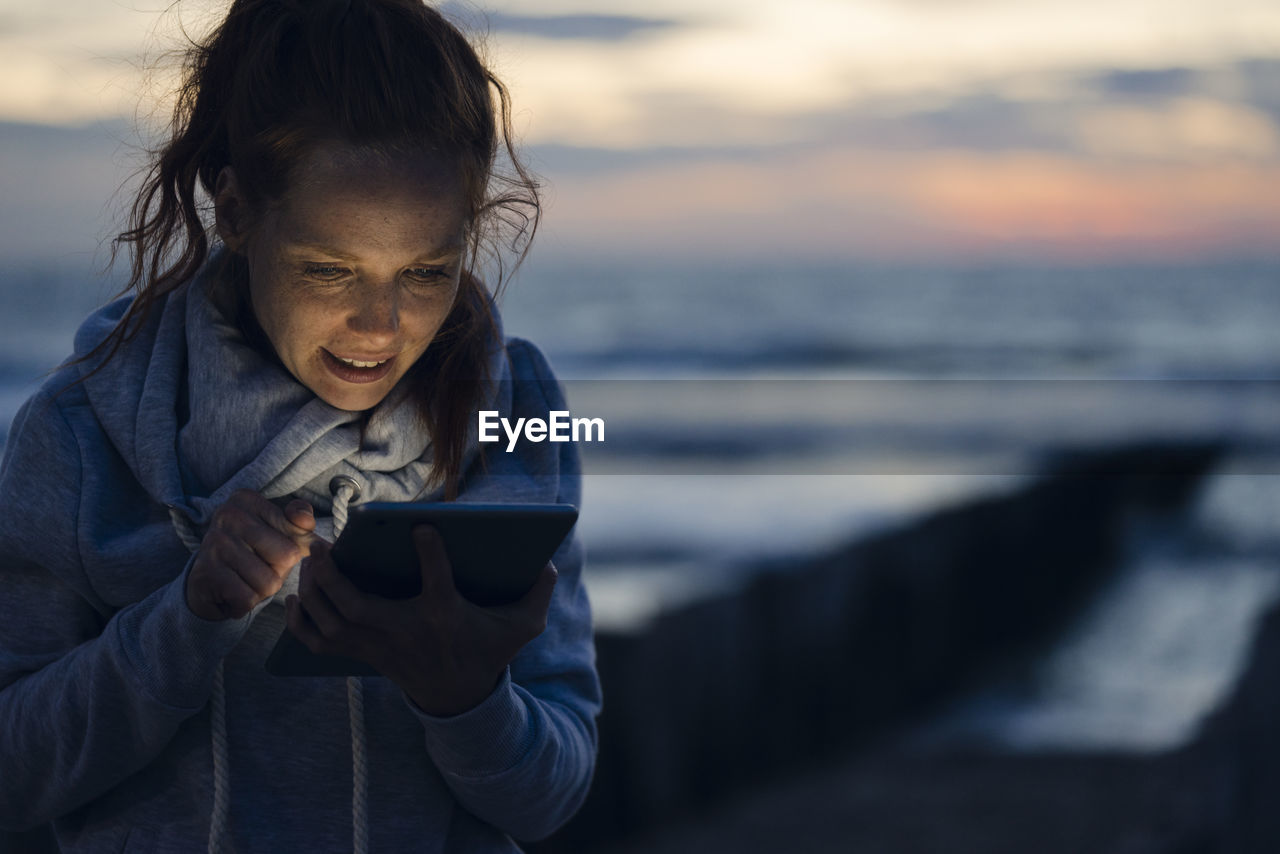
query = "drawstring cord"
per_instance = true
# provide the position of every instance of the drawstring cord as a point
(359, 767)
(221, 777)
(345, 490)
(217, 712)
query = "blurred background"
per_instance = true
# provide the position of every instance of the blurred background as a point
(864, 292)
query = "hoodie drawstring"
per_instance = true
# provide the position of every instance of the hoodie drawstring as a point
(345, 490)
(217, 711)
(221, 778)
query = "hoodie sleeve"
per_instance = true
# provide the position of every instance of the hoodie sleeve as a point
(523, 759)
(87, 696)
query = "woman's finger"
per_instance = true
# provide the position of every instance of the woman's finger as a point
(301, 515)
(259, 576)
(437, 572)
(351, 602)
(278, 552)
(300, 623)
(223, 596)
(531, 609)
(318, 606)
(303, 623)
(539, 596)
(296, 522)
(250, 517)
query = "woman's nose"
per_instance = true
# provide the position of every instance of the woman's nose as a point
(376, 314)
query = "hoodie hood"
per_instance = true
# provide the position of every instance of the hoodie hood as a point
(197, 413)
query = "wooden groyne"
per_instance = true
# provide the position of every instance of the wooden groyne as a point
(814, 656)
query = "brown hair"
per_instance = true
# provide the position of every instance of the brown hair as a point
(278, 77)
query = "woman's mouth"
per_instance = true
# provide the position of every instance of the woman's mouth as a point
(357, 370)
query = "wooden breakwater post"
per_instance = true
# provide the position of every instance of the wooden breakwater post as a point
(811, 657)
(1237, 754)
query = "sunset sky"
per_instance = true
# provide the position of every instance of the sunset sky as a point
(897, 130)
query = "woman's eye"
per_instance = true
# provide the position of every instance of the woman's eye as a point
(428, 275)
(324, 272)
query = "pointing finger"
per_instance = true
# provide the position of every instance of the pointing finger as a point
(255, 511)
(301, 515)
(299, 520)
(286, 523)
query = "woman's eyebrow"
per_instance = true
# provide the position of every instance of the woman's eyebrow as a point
(443, 255)
(319, 249)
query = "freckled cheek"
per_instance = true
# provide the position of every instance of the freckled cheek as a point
(300, 338)
(427, 325)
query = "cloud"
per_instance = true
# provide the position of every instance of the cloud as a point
(1159, 82)
(1090, 164)
(1258, 83)
(582, 27)
(986, 121)
(20, 25)
(1225, 111)
(829, 201)
(1178, 115)
(1182, 129)
(1252, 81)
(841, 204)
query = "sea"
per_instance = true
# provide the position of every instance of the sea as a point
(780, 410)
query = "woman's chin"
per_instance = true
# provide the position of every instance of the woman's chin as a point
(352, 398)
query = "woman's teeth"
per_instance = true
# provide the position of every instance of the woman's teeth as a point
(356, 363)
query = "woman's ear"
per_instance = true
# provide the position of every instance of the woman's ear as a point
(230, 211)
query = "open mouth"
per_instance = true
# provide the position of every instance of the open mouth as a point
(354, 370)
(356, 363)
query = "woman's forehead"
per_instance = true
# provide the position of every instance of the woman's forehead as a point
(346, 198)
(339, 166)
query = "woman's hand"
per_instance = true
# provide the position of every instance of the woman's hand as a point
(248, 550)
(447, 653)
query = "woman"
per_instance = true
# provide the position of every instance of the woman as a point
(170, 494)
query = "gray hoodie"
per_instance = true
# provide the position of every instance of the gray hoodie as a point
(106, 676)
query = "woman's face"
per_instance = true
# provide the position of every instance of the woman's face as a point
(354, 271)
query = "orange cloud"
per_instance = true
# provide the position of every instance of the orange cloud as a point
(895, 206)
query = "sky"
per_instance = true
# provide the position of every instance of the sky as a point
(1057, 131)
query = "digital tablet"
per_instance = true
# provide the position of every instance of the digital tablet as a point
(497, 552)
